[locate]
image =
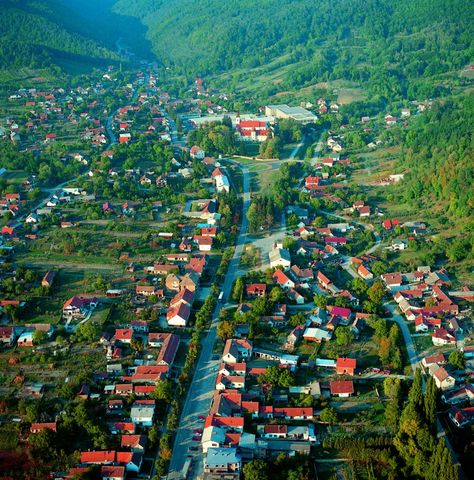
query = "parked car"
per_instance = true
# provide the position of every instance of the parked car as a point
(198, 430)
(196, 438)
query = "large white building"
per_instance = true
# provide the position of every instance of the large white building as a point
(298, 114)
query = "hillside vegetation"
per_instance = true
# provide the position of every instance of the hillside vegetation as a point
(392, 47)
(43, 33)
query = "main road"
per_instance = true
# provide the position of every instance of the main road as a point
(201, 389)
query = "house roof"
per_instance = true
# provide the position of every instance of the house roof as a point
(133, 441)
(98, 456)
(341, 387)
(281, 277)
(346, 363)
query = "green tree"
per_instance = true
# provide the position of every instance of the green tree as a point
(329, 415)
(164, 390)
(320, 301)
(457, 360)
(255, 470)
(39, 337)
(429, 401)
(225, 330)
(344, 336)
(376, 292)
(238, 290)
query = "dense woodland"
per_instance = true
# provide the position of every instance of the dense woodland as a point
(47, 33)
(439, 156)
(393, 47)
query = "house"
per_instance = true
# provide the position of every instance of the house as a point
(344, 314)
(204, 242)
(184, 296)
(168, 350)
(342, 388)
(462, 417)
(112, 472)
(392, 279)
(293, 413)
(178, 316)
(147, 290)
(236, 350)
(280, 257)
(222, 463)
(302, 274)
(196, 265)
(317, 335)
(441, 337)
(136, 443)
(462, 395)
(39, 427)
(78, 307)
(437, 359)
(189, 281)
(346, 366)
(443, 380)
(323, 280)
(365, 273)
(142, 412)
(275, 431)
(282, 279)
(6, 335)
(233, 382)
(294, 337)
(256, 289)
(197, 153)
(364, 211)
(295, 296)
(123, 335)
(172, 282)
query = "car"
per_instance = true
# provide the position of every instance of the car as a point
(193, 449)
(376, 370)
(201, 417)
(386, 372)
(196, 438)
(198, 430)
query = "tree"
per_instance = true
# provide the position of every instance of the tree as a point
(328, 415)
(277, 294)
(376, 292)
(321, 301)
(457, 360)
(238, 290)
(164, 390)
(429, 401)
(344, 336)
(87, 332)
(39, 337)
(255, 470)
(415, 395)
(225, 330)
(297, 319)
(137, 345)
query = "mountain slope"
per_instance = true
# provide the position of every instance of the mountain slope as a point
(43, 33)
(384, 42)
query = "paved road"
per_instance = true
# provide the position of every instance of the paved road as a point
(202, 386)
(400, 321)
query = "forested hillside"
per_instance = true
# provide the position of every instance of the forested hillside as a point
(390, 46)
(42, 33)
(438, 154)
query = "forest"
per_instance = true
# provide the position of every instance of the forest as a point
(392, 47)
(47, 33)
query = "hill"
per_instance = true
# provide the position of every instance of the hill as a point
(393, 47)
(43, 33)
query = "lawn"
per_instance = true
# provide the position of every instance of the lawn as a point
(251, 257)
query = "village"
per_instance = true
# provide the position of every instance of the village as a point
(133, 248)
